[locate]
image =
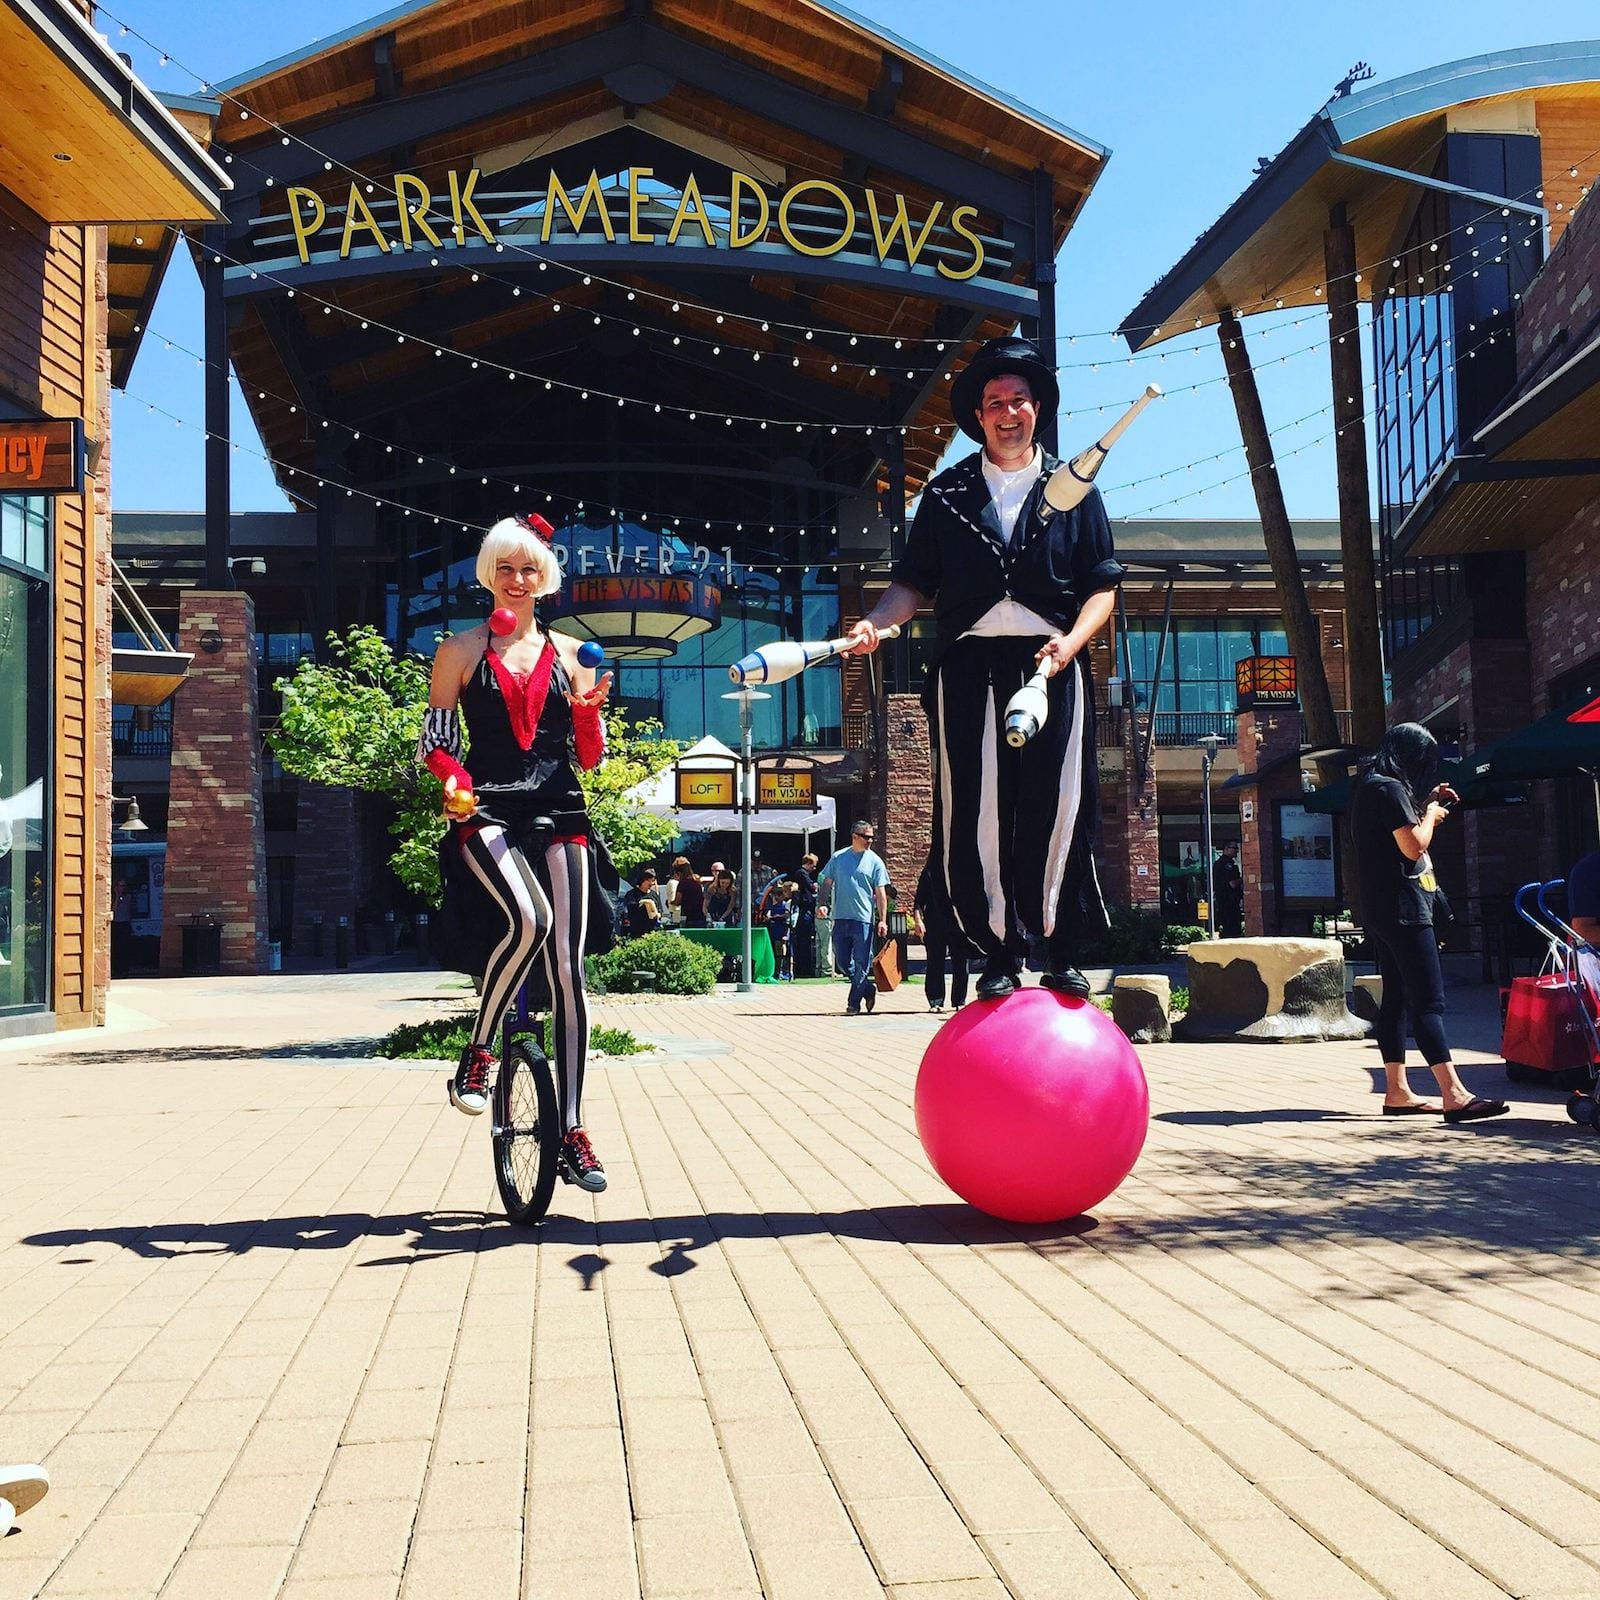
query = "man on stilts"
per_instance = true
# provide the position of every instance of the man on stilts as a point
(1014, 585)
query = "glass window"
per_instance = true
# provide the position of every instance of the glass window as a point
(24, 755)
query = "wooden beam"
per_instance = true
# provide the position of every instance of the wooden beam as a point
(1363, 654)
(1298, 620)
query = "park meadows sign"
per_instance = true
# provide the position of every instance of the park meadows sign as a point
(814, 217)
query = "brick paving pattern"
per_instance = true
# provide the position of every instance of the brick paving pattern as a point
(260, 1317)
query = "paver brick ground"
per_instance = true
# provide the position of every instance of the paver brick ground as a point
(260, 1315)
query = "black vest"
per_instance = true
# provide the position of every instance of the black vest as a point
(498, 762)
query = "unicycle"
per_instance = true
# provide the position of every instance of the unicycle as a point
(525, 1121)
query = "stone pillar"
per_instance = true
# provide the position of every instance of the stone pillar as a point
(216, 845)
(1130, 822)
(1269, 737)
(327, 862)
(905, 825)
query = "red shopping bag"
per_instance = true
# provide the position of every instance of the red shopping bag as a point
(1543, 1028)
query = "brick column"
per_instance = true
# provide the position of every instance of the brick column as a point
(1258, 846)
(905, 827)
(1130, 823)
(216, 846)
(327, 861)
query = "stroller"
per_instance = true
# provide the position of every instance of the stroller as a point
(1552, 1021)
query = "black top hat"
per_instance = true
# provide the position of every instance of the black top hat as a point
(993, 360)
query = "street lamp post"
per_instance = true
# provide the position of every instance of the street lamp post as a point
(1208, 754)
(746, 802)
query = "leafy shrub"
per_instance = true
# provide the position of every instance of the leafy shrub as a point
(444, 1038)
(1175, 937)
(676, 965)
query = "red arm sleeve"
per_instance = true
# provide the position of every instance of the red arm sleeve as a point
(443, 765)
(588, 736)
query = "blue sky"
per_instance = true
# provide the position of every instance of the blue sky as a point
(1186, 97)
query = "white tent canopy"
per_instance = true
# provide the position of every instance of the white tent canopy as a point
(658, 795)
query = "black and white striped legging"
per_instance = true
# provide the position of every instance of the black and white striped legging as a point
(546, 906)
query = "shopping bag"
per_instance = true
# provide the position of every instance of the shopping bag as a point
(886, 967)
(1543, 1028)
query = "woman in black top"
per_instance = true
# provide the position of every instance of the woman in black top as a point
(532, 714)
(1398, 898)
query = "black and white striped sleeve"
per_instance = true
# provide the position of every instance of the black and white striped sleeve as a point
(441, 730)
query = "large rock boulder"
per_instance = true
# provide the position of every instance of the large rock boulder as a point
(1268, 991)
(1366, 996)
(1141, 1005)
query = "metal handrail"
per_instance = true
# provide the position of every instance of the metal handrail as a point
(136, 613)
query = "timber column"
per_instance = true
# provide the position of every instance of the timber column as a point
(1363, 650)
(216, 844)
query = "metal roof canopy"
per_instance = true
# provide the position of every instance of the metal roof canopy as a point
(1366, 151)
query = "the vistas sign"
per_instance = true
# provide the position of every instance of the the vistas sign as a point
(812, 216)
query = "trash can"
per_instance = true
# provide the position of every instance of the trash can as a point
(274, 956)
(202, 948)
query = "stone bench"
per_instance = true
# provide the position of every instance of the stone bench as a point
(1366, 995)
(1141, 1006)
(1268, 991)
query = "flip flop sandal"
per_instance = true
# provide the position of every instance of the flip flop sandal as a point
(1476, 1109)
(1412, 1111)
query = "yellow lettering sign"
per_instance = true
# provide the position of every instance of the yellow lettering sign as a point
(804, 214)
(959, 218)
(690, 204)
(407, 184)
(637, 198)
(742, 186)
(575, 214)
(900, 224)
(305, 225)
(358, 215)
(847, 227)
(461, 206)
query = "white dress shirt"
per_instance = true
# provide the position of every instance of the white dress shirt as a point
(1010, 618)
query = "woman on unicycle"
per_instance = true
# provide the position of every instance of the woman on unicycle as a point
(531, 710)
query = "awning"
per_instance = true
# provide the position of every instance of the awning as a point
(89, 143)
(1564, 744)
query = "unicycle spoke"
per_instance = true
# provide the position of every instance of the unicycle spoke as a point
(526, 1133)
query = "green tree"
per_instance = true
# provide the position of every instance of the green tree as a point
(353, 721)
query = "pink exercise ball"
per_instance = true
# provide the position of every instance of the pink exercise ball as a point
(1032, 1108)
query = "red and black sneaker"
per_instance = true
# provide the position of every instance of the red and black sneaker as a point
(469, 1088)
(579, 1164)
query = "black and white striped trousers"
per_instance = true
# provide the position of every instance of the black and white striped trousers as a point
(1014, 830)
(546, 907)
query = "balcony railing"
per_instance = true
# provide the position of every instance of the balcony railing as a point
(153, 743)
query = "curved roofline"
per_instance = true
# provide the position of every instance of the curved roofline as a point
(1435, 89)
(1336, 125)
(399, 13)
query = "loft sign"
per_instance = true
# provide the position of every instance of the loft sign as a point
(813, 216)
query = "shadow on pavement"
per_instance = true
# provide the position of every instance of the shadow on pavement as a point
(328, 1049)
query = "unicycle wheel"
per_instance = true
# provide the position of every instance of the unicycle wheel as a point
(526, 1131)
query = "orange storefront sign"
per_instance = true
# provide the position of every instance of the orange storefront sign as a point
(43, 457)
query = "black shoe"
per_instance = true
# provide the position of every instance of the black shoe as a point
(1066, 980)
(469, 1088)
(577, 1162)
(871, 997)
(999, 979)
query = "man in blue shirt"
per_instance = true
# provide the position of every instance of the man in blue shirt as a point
(856, 881)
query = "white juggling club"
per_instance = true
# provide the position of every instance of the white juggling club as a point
(774, 663)
(1069, 484)
(1027, 710)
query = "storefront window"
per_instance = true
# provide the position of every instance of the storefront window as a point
(24, 753)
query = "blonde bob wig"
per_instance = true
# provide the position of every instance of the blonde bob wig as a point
(510, 539)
